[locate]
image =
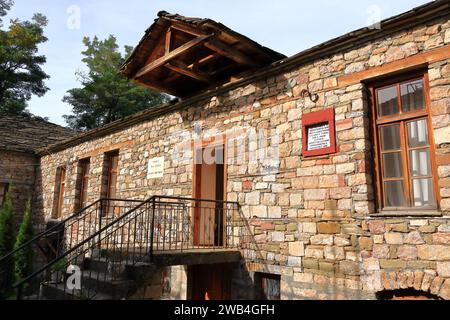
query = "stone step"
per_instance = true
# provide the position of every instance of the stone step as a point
(93, 284)
(117, 287)
(116, 268)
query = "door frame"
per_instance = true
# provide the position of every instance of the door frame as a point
(219, 140)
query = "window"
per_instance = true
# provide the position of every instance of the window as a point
(405, 170)
(113, 161)
(60, 186)
(84, 166)
(3, 190)
(268, 285)
(109, 179)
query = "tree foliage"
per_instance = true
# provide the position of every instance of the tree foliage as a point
(105, 95)
(6, 226)
(5, 5)
(6, 245)
(23, 258)
(21, 75)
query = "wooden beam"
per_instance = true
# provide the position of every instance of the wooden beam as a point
(171, 55)
(183, 69)
(157, 88)
(229, 52)
(205, 60)
(107, 148)
(168, 40)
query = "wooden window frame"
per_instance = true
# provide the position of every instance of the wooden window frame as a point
(84, 180)
(59, 194)
(110, 170)
(316, 118)
(402, 118)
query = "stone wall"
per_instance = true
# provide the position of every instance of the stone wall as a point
(18, 170)
(313, 219)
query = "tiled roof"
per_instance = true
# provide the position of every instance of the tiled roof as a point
(26, 134)
(183, 56)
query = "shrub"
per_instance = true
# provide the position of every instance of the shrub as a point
(23, 258)
(6, 246)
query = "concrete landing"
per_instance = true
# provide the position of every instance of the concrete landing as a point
(195, 257)
(162, 258)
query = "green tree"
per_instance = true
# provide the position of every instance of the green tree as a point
(21, 75)
(105, 95)
(5, 5)
(23, 258)
(6, 245)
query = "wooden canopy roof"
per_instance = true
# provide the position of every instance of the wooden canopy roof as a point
(183, 56)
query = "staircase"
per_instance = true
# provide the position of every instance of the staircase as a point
(112, 248)
(102, 279)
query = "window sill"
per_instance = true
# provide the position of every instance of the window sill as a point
(407, 213)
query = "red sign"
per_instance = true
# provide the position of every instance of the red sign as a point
(318, 133)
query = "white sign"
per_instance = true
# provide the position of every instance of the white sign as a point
(155, 168)
(319, 137)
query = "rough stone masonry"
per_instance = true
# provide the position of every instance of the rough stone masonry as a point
(314, 220)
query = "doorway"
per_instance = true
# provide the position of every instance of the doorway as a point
(209, 184)
(210, 282)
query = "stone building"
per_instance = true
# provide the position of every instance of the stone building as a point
(338, 156)
(19, 163)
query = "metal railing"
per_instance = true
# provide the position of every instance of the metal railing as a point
(161, 224)
(51, 244)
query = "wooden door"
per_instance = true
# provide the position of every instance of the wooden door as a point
(211, 282)
(209, 185)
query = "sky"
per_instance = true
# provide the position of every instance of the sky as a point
(286, 26)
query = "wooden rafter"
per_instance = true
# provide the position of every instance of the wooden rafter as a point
(168, 40)
(205, 60)
(159, 88)
(184, 69)
(229, 52)
(172, 55)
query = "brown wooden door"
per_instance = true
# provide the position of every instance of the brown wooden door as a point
(211, 282)
(209, 185)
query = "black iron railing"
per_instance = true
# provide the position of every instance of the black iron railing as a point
(97, 266)
(51, 244)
